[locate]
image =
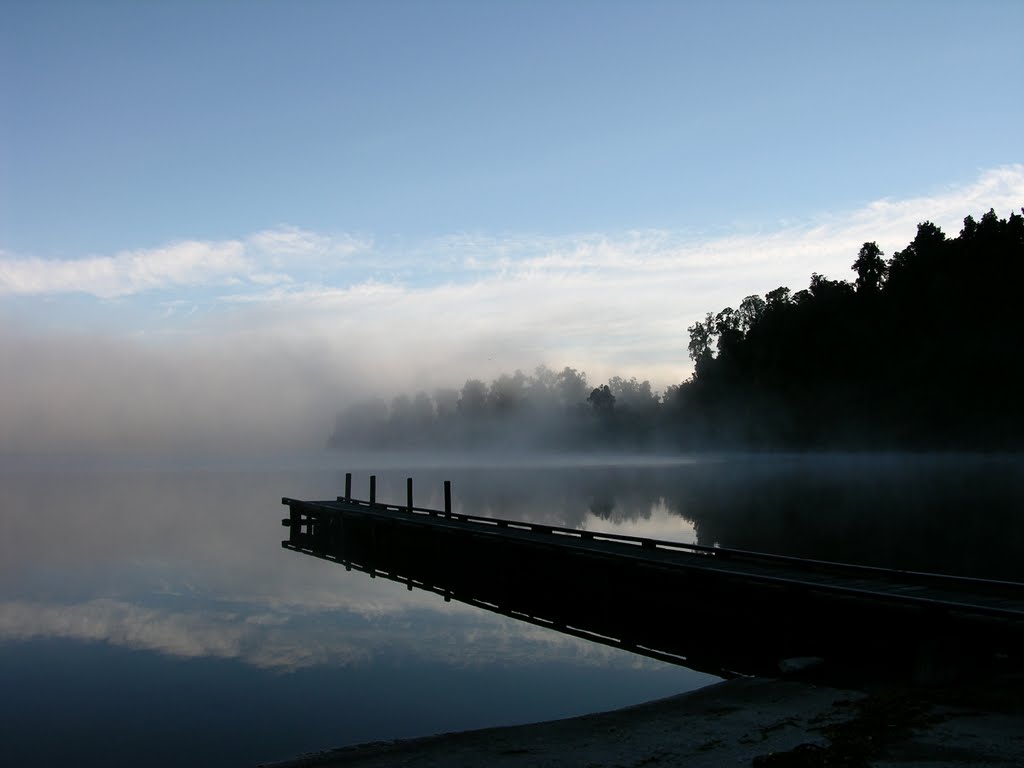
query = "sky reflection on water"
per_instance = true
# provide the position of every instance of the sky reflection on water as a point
(118, 581)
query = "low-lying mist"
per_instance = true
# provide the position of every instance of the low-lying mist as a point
(96, 396)
(220, 395)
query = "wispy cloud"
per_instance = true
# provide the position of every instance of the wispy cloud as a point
(312, 265)
(613, 304)
(287, 246)
(293, 324)
(265, 258)
(184, 264)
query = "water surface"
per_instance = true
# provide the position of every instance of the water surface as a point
(146, 608)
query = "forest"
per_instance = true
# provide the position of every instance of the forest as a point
(919, 351)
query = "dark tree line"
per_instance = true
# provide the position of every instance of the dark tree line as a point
(555, 410)
(919, 351)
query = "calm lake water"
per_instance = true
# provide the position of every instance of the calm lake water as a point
(150, 614)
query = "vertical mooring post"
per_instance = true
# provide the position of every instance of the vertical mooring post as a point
(348, 486)
(344, 543)
(294, 522)
(448, 497)
(373, 490)
(408, 493)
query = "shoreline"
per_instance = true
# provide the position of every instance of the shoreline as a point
(745, 721)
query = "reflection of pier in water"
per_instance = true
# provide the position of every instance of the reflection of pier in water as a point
(711, 609)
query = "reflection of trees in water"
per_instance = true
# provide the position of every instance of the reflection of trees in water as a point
(557, 496)
(603, 507)
(957, 515)
(950, 515)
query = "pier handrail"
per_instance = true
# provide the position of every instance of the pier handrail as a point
(937, 579)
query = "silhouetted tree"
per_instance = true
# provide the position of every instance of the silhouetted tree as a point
(508, 393)
(702, 336)
(571, 386)
(751, 311)
(918, 352)
(870, 268)
(602, 400)
(473, 399)
(777, 298)
(915, 353)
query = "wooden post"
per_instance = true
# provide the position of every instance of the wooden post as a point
(348, 486)
(294, 523)
(408, 492)
(344, 543)
(373, 551)
(373, 490)
(448, 497)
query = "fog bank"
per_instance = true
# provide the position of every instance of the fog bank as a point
(73, 395)
(165, 351)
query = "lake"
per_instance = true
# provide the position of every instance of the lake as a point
(150, 613)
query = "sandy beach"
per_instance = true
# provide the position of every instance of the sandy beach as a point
(741, 722)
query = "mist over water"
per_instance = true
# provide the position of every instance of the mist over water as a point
(95, 396)
(238, 251)
(955, 513)
(167, 587)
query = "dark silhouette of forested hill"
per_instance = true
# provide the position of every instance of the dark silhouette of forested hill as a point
(921, 351)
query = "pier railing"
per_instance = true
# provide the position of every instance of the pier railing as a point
(303, 518)
(667, 599)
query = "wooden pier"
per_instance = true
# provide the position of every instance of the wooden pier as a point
(713, 609)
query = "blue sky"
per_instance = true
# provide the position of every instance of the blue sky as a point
(132, 124)
(429, 191)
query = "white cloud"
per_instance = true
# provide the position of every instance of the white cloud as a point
(266, 258)
(184, 264)
(289, 241)
(314, 264)
(613, 304)
(288, 246)
(281, 350)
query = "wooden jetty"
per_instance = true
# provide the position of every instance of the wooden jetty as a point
(708, 608)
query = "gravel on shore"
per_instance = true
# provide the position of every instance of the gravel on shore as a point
(767, 723)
